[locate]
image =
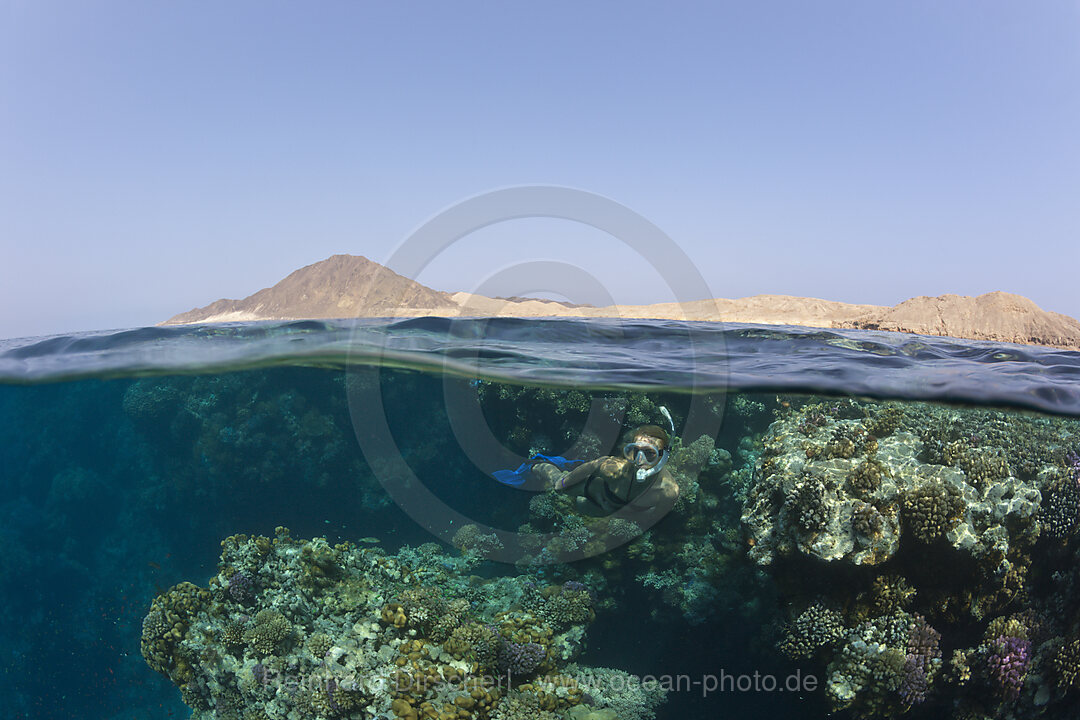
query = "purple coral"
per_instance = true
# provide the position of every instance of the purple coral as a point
(914, 685)
(241, 588)
(520, 658)
(1072, 459)
(331, 688)
(1008, 664)
(923, 653)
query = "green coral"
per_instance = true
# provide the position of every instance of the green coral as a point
(890, 593)
(815, 628)
(166, 625)
(885, 421)
(475, 642)
(271, 629)
(318, 645)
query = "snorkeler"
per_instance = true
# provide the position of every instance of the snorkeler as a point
(635, 481)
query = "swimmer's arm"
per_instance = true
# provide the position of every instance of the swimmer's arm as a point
(578, 475)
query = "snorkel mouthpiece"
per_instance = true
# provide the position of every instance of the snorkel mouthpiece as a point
(644, 474)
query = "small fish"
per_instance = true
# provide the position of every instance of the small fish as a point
(154, 565)
(369, 540)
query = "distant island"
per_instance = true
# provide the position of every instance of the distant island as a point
(345, 286)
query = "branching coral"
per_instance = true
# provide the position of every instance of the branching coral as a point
(271, 628)
(865, 479)
(807, 504)
(921, 663)
(932, 510)
(1059, 515)
(1008, 665)
(815, 628)
(519, 659)
(867, 520)
(885, 421)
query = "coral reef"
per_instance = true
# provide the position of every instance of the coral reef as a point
(920, 560)
(843, 506)
(910, 527)
(407, 636)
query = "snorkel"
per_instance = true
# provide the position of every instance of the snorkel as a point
(644, 473)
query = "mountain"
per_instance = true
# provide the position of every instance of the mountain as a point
(340, 286)
(998, 316)
(352, 286)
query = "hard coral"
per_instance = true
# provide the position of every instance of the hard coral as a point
(519, 659)
(932, 510)
(1059, 516)
(476, 642)
(561, 605)
(865, 479)
(363, 656)
(1066, 665)
(241, 588)
(270, 629)
(885, 421)
(166, 625)
(806, 504)
(921, 663)
(815, 628)
(982, 466)
(867, 520)
(890, 593)
(1008, 664)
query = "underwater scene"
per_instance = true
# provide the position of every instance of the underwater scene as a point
(519, 519)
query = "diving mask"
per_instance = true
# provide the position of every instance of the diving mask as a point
(648, 458)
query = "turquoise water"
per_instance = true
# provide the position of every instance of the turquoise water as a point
(893, 516)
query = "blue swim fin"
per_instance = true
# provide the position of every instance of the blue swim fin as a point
(517, 477)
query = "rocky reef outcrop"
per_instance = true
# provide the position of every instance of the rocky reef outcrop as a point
(926, 554)
(830, 488)
(302, 629)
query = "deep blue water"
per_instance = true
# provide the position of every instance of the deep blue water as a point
(129, 455)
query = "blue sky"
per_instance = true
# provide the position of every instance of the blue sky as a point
(157, 156)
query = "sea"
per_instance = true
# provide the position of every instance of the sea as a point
(203, 521)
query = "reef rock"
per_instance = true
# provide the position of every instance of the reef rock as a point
(310, 631)
(826, 488)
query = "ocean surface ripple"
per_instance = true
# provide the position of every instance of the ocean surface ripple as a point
(597, 354)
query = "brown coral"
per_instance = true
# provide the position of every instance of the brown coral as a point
(932, 510)
(865, 478)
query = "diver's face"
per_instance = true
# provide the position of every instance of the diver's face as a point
(643, 452)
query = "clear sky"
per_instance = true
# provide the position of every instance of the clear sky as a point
(157, 156)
